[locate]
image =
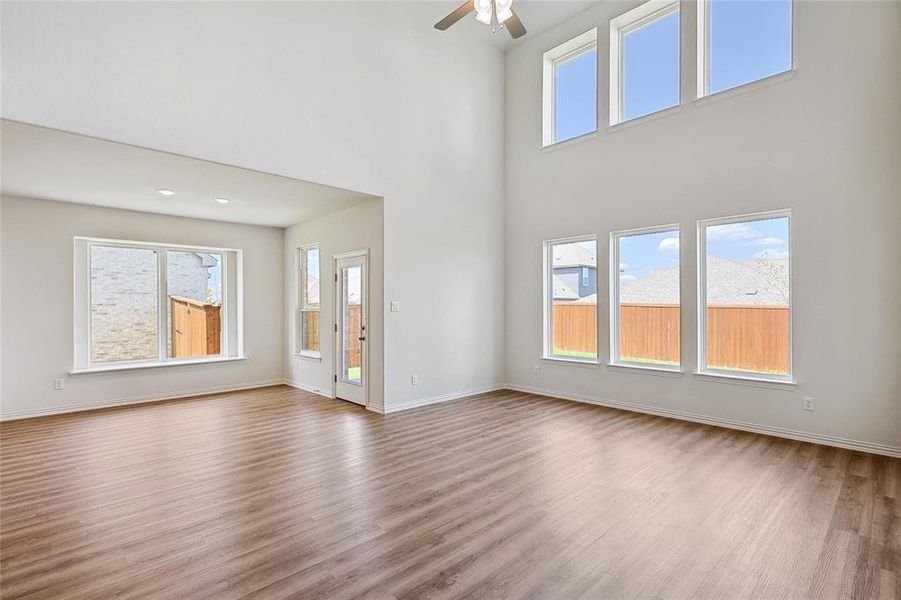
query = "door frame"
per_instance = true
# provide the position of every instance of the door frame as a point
(364, 348)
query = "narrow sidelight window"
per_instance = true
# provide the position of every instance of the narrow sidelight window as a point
(571, 299)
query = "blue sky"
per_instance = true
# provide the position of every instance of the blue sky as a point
(750, 39)
(768, 238)
(577, 111)
(651, 67)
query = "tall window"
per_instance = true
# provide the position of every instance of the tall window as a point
(740, 41)
(571, 89)
(571, 309)
(644, 290)
(139, 304)
(644, 60)
(308, 305)
(745, 296)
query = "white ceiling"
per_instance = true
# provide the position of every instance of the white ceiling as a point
(536, 15)
(57, 165)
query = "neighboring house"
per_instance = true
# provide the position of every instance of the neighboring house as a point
(124, 302)
(575, 273)
(762, 282)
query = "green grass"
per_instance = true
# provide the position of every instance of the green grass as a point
(650, 361)
(561, 352)
(353, 373)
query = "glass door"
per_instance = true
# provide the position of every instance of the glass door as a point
(351, 328)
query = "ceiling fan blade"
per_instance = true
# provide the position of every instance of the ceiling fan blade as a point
(460, 12)
(515, 26)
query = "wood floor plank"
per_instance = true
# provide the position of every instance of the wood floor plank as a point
(277, 493)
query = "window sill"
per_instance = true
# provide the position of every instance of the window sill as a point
(767, 382)
(658, 114)
(155, 365)
(746, 87)
(646, 369)
(572, 361)
(309, 355)
(569, 141)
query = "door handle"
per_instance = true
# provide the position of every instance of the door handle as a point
(362, 339)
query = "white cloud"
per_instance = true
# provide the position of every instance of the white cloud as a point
(742, 233)
(623, 266)
(626, 277)
(771, 254)
(670, 244)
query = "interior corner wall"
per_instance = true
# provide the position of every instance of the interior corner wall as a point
(356, 228)
(825, 143)
(36, 259)
(366, 96)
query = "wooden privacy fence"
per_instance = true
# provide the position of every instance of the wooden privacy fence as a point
(354, 332)
(196, 327)
(754, 338)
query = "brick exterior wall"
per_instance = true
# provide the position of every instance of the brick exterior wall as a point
(124, 298)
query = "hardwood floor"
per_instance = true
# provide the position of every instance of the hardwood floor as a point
(276, 493)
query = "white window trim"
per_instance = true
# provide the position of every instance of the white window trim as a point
(548, 292)
(703, 371)
(622, 25)
(574, 48)
(615, 360)
(302, 304)
(703, 55)
(230, 349)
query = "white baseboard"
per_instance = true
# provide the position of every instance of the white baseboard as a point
(58, 410)
(792, 434)
(442, 398)
(307, 388)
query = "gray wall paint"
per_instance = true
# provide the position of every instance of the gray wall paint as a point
(824, 143)
(36, 247)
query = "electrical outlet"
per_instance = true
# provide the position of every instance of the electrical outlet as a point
(395, 306)
(537, 370)
(809, 403)
(414, 379)
(59, 384)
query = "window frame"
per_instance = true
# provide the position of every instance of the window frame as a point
(574, 48)
(231, 346)
(547, 352)
(702, 369)
(615, 237)
(622, 25)
(703, 54)
(302, 305)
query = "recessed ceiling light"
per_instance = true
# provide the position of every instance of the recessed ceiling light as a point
(166, 192)
(222, 200)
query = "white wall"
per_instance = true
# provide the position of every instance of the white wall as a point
(824, 143)
(365, 96)
(355, 228)
(37, 264)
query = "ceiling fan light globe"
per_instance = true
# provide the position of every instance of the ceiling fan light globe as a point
(504, 4)
(484, 17)
(503, 13)
(482, 5)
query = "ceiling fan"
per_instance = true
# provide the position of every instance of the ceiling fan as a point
(499, 13)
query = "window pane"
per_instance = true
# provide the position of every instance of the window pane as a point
(576, 83)
(312, 274)
(574, 303)
(651, 67)
(124, 299)
(749, 40)
(309, 331)
(649, 298)
(747, 287)
(352, 320)
(194, 282)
